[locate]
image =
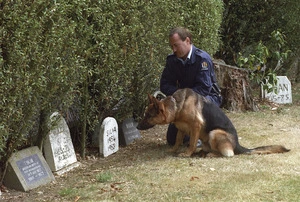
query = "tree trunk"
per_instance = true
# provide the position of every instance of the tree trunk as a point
(235, 87)
(84, 115)
(293, 67)
(44, 128)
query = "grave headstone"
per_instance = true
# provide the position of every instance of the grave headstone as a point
(58, 147)
(284, 91)
(108, 138)
(129, 131)
(27, 169)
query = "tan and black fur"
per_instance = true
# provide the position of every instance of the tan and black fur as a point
(195, 116)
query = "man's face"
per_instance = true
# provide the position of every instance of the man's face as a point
(180, 48)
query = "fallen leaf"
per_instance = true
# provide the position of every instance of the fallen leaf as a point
(187, 198)
(77, 198)
(103, 190)
(193, 178)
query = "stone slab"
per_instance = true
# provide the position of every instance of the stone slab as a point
(284, 91)
(108, 137)
(129, 131)
(58, 147)
(27, 169)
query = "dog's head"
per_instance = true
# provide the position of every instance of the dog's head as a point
(155, 114)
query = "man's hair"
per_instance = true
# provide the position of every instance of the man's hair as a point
(182, 32)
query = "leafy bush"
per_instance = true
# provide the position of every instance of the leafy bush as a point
(128, 46)
(39, 71)
(94, 58)
(262, 71)
(245, 23)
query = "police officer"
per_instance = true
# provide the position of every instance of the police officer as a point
(188, 67)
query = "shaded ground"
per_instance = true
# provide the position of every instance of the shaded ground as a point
(152, 140)
(151, 149)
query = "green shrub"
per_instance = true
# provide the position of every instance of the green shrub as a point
(245, 23)
(260, 70)
(98, 58)
(39, 71)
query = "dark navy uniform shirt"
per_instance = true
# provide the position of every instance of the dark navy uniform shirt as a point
(196, 73)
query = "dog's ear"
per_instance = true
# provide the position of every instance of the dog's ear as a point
(154, 101)
(151, 99)
(158, 105)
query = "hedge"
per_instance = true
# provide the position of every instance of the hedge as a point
(86, 57)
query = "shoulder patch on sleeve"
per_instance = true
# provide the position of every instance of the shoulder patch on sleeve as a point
(204, 66)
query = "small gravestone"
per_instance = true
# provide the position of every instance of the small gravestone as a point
(129, 131)
(108, 138)
(284, 91)
(58, 147)
(27, 169)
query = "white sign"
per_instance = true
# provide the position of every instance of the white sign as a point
(58, 146)
(108, 140)
(284, 91)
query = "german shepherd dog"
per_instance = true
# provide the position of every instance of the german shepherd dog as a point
(197, 117)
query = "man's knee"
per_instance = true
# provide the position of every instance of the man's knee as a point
(172, 133)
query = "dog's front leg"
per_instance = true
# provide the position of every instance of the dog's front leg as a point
(179, 141)
(193, 144)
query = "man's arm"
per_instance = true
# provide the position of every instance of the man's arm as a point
(168, 82)
(203, 82)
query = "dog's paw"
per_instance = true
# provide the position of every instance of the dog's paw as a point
(202, 153)
(185, 154)
(213, 155)
(172, 150)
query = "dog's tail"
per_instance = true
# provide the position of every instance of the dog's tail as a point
(269, 149)
(261, 150)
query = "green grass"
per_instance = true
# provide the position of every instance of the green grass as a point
(155, 175)
(241, 178)
(66, 192)
(103, 177)
(145, 171)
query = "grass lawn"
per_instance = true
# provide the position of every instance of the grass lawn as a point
(145, 171)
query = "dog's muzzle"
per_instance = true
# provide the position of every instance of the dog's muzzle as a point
(144, 125)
